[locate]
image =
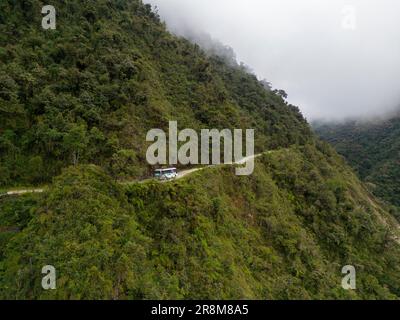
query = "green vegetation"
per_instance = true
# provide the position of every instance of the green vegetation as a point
(372, 149)
(283, 233)
(75, 106)
(88, 92)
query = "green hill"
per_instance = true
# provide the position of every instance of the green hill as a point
(372, 148)
(283, 233)
(89, 91)
(75, 106)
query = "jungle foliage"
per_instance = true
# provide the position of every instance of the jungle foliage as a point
(75, 106)
(372, 148)
(283, 233)
(89, 91)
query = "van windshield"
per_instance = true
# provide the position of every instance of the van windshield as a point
(161, 172)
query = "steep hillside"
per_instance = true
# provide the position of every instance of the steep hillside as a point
(283, 233)
(373, 150)
(89, 91)
(75, 106)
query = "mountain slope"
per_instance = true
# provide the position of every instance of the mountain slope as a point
(75, 106)
(89, 91)
(283, 233)
(373, 150)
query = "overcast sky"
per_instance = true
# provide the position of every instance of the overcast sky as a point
(335, 58)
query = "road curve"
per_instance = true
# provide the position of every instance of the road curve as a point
(184, 173)
(181, 175)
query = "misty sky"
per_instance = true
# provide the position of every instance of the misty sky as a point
(333, 64)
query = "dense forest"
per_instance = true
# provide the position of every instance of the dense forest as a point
(284, 232)
(372, 148)
(75, 106)
(89, 91)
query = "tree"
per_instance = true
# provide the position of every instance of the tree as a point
(123, 163)
(281, 93)
(75, 141)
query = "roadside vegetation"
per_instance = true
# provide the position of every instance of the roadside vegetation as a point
(89, 91)
(75, 106)
(283, 233)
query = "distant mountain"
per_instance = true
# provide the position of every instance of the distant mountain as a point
(373, 149)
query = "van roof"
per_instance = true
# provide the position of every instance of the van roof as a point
(167, 169)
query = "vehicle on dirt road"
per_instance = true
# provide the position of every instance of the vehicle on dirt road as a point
(166, 174)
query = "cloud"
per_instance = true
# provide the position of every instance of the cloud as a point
(336, 59)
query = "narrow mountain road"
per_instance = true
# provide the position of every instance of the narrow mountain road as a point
(184, 173)
(181, 175)
(21, 192)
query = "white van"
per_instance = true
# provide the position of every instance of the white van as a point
(166, 174)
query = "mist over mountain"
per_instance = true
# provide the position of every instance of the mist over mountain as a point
(331, 72)
(75, 106)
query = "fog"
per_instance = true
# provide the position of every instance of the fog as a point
(335, 59)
